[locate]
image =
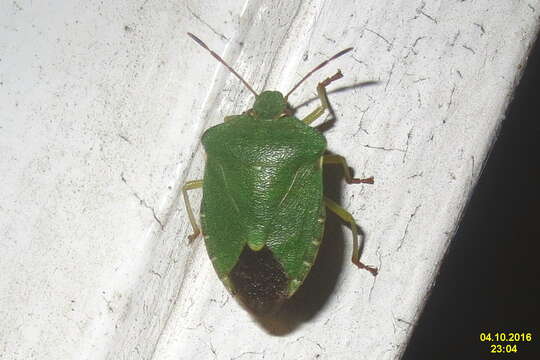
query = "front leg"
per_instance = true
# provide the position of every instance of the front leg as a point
(321, 91)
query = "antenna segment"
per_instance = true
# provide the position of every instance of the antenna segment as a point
(321, 65)
(201, 43)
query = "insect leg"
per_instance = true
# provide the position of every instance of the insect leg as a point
(340, 160)
(229, 118)
(191, 185)
(347, 217)
(321, 91)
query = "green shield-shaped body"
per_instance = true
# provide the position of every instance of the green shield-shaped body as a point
(263, 199)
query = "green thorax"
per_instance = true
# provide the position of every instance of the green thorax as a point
(250, 139)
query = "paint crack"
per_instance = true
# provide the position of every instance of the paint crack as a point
(407, 227)
(223, 37)
(143, 202)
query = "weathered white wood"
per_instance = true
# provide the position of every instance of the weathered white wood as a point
(446, 72)
(103, 105)
(100, 105)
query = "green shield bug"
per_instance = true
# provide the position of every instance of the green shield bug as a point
(263, 209)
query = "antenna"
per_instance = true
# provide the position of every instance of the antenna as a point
(321, 65)
(199, 41)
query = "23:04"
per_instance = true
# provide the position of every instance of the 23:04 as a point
(498, 348)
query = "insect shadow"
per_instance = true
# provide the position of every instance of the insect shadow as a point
(338, 90)
(329, 123)
(323, 278)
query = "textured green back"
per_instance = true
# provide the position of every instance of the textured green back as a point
(263, 179)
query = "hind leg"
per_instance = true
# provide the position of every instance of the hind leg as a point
(191, 185)
(347, 217)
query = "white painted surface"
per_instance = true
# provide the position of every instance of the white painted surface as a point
(102, 106)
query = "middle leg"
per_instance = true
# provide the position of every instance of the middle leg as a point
(340, 160)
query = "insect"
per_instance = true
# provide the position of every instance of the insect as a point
(263, 209)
